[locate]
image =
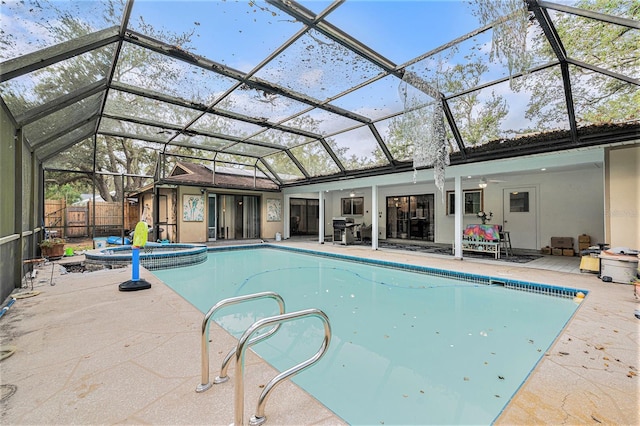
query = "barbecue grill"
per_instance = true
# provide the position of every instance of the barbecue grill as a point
(343, 230)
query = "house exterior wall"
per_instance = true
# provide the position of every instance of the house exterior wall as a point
(623, 196)
(176, 229)
(196, 231)
(268, 229)
(569, 203)
(191, 231)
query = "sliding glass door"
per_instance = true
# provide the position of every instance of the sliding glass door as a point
(411, 217)
(238, 217)
(305, 216)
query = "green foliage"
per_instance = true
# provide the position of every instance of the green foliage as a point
(70, 192)
(311, 155)
(597, 98)
(51, 242)
(477, 119)
(509, 35)
(113, 154)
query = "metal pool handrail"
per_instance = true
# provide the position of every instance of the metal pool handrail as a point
(204, 380)
(245, 342)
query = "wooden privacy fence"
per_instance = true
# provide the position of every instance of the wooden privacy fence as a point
(74, 221)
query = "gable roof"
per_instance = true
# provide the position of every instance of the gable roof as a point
(199, 175)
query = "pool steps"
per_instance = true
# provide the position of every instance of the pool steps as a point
(204, 382)
(245, 341)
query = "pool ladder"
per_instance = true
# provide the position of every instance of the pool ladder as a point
(245, 341)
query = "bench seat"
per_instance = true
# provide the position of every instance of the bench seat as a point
(482, 239)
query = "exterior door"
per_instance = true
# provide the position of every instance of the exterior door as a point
(211, 218)
(521, 217)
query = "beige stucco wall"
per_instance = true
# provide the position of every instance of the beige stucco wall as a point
(622, 196)
(268, 229)
(196, 232)
(192, 231)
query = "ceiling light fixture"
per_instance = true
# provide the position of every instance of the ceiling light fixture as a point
(483, 183)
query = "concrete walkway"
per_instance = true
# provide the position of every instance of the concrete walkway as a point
(86, 353)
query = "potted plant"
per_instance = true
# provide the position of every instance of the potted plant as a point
(485, 217)
(52, 248)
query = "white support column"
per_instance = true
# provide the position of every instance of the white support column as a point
(286, 232)
(458, 218)
(374, 217)
(321, 217)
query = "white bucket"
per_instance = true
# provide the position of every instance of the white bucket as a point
(278, 236)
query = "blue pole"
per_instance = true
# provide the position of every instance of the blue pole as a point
(135, 263)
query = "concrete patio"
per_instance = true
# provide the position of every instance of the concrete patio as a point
(86, 353)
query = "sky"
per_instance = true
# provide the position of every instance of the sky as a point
(399, 30)
(241, 34)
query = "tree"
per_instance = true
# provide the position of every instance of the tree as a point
(113, 154)
(311, 154)
(477, 119)
(68, 192)
(597, 98)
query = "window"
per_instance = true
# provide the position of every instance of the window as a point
(472, 200)
(519, 202)
(353, 206)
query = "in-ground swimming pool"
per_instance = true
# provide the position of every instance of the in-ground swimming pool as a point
(407, 348)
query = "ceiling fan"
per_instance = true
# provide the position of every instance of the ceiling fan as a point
(484, 182)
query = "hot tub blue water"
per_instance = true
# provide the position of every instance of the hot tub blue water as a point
(436, 347)
(153, 256)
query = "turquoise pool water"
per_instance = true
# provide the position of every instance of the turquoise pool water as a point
(407, 348)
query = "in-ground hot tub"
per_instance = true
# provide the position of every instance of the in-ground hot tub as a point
(153, 256)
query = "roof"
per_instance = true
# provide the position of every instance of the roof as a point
(310, 91)
(200, 175)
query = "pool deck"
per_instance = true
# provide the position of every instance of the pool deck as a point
(86, 353)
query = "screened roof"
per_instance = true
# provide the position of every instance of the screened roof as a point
(313, 90)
